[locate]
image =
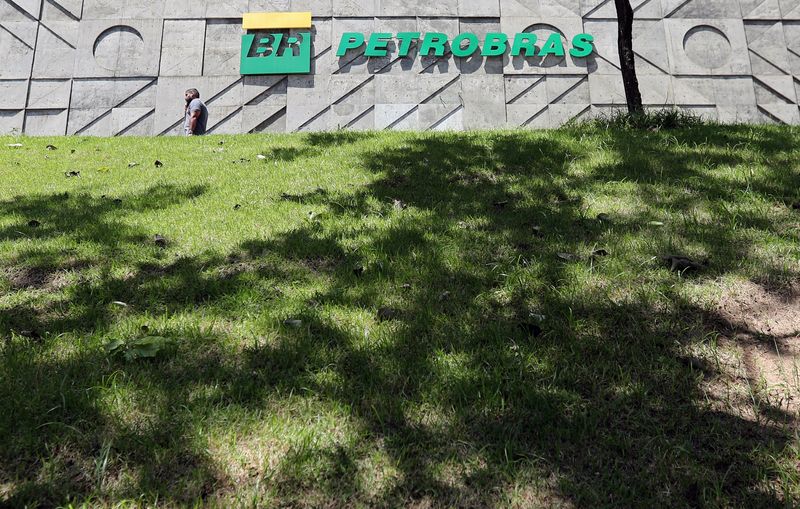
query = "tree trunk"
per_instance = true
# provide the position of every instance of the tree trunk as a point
(626, 58)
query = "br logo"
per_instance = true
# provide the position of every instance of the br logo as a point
(276, 43)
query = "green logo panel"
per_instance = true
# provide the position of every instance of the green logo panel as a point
(276, 53)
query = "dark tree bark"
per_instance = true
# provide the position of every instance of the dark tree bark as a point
(626, 57)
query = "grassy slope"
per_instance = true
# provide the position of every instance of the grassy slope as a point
(458, 400)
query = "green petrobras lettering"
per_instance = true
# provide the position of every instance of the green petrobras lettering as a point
(433, 41)
(377, 45)
(524, 42)
(350, 40)
(406, 38)
(582, 46)
(553, 46)
(495, 45)
(460, 50)
(276, 53)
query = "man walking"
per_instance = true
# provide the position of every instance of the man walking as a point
(196, 113)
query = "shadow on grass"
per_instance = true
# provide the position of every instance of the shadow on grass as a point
(472, 404)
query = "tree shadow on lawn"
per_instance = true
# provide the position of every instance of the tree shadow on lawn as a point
(473, 398)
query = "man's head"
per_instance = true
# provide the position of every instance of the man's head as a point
(190, 94)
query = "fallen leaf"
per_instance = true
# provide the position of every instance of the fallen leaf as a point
(119, 303)
(678, 263)
(386, 313)
(532, 329)
(655, 223)
(14, 145)
(568, 257)
(261, 156)
(131, 165)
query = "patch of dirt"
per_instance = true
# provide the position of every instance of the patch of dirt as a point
(762, 329)
(42, 278)
(320, 263)
(28, 277)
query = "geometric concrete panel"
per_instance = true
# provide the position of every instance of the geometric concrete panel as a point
(111, 93)
(711, 9)
(403, 7)
(760, 9)
(486, 8)
(181, 55)
(62, 10)
(13, 94)
(20, 10)
(185, 9)
(17, 43)
(223, 41)
(766, 41)
(230, 9)
(143, 126)
(90, 122)
(782, 113)
(317, 7)
(359, 8)
(11, 121)
(484, 101)
(441, 117)
(225, 120)
(127, 9)
(261, 117)
(49, 94)
(396, 116)
(46, 122)
(707, 47)
(775, 90)
(55, 50)
(531, 116)
(119, 48)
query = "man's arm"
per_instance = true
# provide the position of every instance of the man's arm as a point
(193, 120)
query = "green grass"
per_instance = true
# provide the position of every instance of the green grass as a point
(504, 375)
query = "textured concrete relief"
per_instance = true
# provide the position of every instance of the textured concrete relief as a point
(113, 67)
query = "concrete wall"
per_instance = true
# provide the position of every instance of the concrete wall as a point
(116, 67)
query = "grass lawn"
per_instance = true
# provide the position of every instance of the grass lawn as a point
(383, 319)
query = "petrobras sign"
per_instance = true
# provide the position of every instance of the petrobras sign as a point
(280, 43)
